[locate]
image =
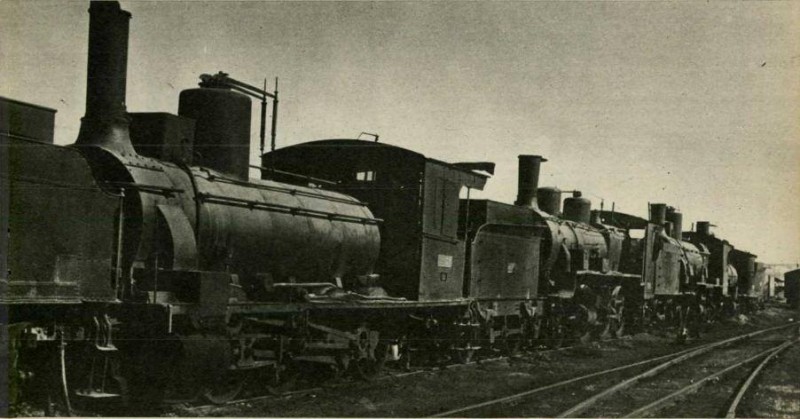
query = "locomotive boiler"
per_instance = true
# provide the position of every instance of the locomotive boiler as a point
(149, 232)
(145, 264)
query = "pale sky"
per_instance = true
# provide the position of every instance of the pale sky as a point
(695, 104)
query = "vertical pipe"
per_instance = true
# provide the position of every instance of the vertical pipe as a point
(613, 207)
(262, 136)
(274, 115)
(676, 218)
(62, 346)
(105, 123)
(120, 225)
(528, 180)
(658, 214)
(466, 218)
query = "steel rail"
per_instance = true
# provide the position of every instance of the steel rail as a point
(389, 375)
(586, 404)
(521, 395)
(731, 413)
(554, 385)
(301, 391)
(650, 408)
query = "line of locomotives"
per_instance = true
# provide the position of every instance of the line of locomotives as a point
(143, 264)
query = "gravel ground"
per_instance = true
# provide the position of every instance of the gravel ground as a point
(436, 391)
(777, 393)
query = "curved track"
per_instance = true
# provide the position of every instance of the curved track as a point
(667, 361)
(731, 413)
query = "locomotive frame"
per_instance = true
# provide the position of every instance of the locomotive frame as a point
(144, 265)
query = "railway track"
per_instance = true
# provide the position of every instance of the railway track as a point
(616, 380)
(387, 375)
(732, 409)
(712, 373)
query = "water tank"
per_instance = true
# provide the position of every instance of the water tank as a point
(549, 200)
(577, 208)
(222, 129)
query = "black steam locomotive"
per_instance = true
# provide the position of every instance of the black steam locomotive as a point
(142, 262)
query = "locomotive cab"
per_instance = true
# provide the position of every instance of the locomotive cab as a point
(422, 254)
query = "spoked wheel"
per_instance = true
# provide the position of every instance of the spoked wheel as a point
(368, 369)
(555, 335)
(620, 330)
(615, 320)
(512, 345)
(464, 348)
(226, 388)
(58, 398)
(463, 355)
(283, 378)
(586, 325)
(532, 332)
(683, 325)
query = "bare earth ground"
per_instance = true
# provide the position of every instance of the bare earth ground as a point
(440, 390)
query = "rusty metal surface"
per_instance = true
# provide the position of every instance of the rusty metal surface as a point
(670, 267)
(179, 243)
(147, 183)
(615, 242)
(549, 200)
(294, 233)
(761, 281)
(105, 123)
(695, 260)
(26, 120)
(162, 136)
(718, 255)
(222, 130)
(791, 288)
(658, 214)
(676, 218)
(528, 179)
(5, 190)
(745, 264)
(731, 280)
(417, 197)
(577, 247)
(61, 227)
(578, 209)
(622, 220)
(442, 269)
(505, 262)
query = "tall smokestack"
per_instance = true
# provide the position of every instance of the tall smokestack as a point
(528, 180)
(676, 218)
(105, 123)
(658, 214)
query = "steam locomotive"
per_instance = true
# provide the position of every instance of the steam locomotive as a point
(143, 263)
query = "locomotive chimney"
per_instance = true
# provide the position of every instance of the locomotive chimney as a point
(106, 122)
(658, 214)
(528, 180)
(676, 218)
(703, 228)
(668, 229)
